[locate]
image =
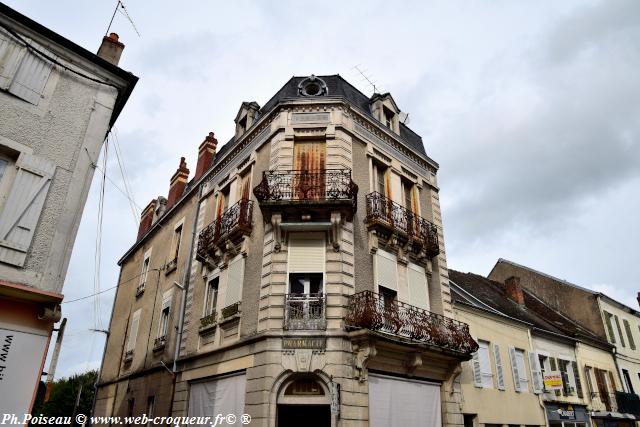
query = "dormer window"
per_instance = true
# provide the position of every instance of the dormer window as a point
(246, 116)
(388, 117)
(242, 125)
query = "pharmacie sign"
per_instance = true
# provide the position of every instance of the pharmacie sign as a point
(552, 380)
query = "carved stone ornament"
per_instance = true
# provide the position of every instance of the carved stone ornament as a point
(363, 352)
(413, 362)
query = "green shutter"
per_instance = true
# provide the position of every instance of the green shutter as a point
(612, 336)
(619, 331)
(627, 328)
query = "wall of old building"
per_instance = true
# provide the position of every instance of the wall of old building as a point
(494, 406)
(565, 298)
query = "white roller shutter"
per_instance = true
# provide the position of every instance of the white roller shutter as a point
(133, 332)
(385, 268)
(418, 288)
(307, 252)
(235, 277)
(221, 396)
(166, 299)
(395, 402)
(19, 218)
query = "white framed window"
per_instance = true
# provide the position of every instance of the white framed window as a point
(211, 299)
(146, 261)
(385, 270)
(177, 239)
(482, 373)
(165, 313)
(418, 286)
(520, 379)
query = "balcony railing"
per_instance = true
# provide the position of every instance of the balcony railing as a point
(236, 220)
(369, 311)
(308, 187)
(231, 310)
(397, 219)
(159, 343)
(628, 403)
(305, 312)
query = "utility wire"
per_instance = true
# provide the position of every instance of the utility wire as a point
(123, 172)
(109, 289)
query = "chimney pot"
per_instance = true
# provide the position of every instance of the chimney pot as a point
(146, 218)
(513, 289)
(178, 183)
(111, 48)
(206, 152)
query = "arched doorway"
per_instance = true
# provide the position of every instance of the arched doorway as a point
(304, 400)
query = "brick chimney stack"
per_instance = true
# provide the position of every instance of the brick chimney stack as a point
(206, 152)
(178, 183)
(111, 49)
(513, 290)
(146, 218)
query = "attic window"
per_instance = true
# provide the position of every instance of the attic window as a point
(242, 124)
(312, 86)
(388, 117)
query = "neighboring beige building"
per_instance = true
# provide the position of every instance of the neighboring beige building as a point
(57, 103)
(541, 342)
(608, 319)
(314, 275)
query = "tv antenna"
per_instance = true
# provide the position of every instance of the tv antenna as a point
(123, 10)
(366, 78)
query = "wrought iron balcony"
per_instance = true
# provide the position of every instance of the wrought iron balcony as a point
(159, 343)
(231, 310)
(235, 221)
(305, 312)
(392, 218)
(628, 403)
(311, 188)
(601, 402)
(369, 311)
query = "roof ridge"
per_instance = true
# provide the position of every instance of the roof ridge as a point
(562, 281)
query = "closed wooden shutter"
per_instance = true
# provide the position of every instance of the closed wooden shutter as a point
(307, 252)
(418, 288)
(607, 318)
(619, 330)
(627, 327)
(11, 54)
(536, 375)
(385, 269)
(32, 75)
(477, 371)
(499, 369)
(133, 332)
(23, 207)
(235, 277)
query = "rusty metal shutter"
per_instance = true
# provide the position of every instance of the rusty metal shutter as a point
(11, 54)
(32, 75)
(23, 207)
(309, 155)
(418, 289)
(307, 252)
(385, 269)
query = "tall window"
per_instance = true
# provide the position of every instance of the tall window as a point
(619, 329)
(627, 381)
(483, 375)
(305, 283)
(388, 117)
(407, 190)
(177, 237)
(133, 331)
(520, 379)
(211, 301)
(380, 180)
(627, 328)
(144, 273)
(163, 327)
(568, 385)
(608, 321)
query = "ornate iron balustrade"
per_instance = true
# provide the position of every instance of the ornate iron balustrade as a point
(628, 403)
(159, 343)
(368, 310)
(236, 219)
(231, 310)
(207, 320)
(394, 217)
(305, 312)
(307, 186)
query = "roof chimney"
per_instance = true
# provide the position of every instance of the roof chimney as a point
(111, 49)
(513, 289)
(206, 151)
(146, 218)
(638, 298)
(178, 183)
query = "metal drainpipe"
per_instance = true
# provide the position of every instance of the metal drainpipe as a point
(185, 282)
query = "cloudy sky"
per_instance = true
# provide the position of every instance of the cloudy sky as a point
(532, 110)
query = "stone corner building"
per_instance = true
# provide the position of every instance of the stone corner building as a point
(299, 275)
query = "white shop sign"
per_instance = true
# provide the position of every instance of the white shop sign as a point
(21, 355)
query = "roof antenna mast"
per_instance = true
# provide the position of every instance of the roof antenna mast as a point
(123, 10)
(366, 78)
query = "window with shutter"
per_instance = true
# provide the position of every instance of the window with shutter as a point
(619, 329)
(576, 377)
(307, 252)
(23, 73)
(165, 312)
(607, 320)
(235, 276)
(21, 212)
(133, 332)
(627, 327)
(385, 269)
(536, 374)
(485, 364)
(520, 380)
(499, 370)
(418, 288)
(514, 368)
(477, 372)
